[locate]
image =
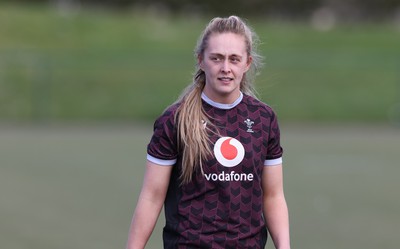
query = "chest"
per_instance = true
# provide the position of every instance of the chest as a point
(239, 140)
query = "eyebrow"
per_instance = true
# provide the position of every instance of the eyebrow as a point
(221, 55)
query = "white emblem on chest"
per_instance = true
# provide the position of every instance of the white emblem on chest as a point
(249, 124)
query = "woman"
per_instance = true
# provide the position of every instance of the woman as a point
(215, 159)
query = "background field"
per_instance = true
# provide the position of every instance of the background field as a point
(99, 65)
(76, 186)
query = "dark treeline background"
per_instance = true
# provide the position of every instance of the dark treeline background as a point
(350, 10)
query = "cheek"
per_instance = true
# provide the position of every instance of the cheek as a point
(211, 69)
(241, 70)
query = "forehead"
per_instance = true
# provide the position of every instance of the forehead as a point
(226, 44)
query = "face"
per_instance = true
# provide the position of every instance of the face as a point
(224, 62)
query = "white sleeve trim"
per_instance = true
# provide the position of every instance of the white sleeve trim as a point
(273, 162)
(161, 161)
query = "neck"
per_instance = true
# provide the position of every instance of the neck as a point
(222, 105)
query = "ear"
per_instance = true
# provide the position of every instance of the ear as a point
(200, 61)
(248, 63)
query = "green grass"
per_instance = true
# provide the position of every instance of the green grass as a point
(99, 65)
(76, 186)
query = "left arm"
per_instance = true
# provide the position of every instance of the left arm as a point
(275, 207)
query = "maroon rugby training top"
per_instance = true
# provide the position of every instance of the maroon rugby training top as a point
(223, 207)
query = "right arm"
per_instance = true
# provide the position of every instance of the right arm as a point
(150, 202)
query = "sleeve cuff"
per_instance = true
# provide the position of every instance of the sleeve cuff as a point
(273, 162)
(161, 161)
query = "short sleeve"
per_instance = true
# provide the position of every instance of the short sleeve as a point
(274, 149)
(162, 148)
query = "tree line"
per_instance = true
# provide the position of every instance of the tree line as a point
(351, 9)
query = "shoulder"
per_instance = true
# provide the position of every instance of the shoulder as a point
(166, 120)
(172, 109)
(169, 113)
(257, 105)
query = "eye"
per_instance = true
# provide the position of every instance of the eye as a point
(215, 58)
(235, 60)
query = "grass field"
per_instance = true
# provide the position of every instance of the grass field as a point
(97, 65)
(75, 186)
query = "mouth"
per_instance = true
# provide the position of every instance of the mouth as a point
(225, 79)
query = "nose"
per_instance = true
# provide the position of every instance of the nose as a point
(226, 67)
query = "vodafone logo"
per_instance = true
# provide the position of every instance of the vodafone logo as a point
(228, 151)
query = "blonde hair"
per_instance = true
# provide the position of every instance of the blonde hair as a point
(193, 134)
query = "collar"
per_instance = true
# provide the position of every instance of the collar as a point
(220, 105)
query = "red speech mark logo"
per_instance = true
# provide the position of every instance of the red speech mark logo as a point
(228, 151)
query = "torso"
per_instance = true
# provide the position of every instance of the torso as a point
(223, 207)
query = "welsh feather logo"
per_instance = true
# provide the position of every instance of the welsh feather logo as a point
(228, 151)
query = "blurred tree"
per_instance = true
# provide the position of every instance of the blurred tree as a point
(358, 9)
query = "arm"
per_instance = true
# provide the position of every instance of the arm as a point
(275, 208)
(150, 202)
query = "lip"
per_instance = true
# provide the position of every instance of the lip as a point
(225, 79)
